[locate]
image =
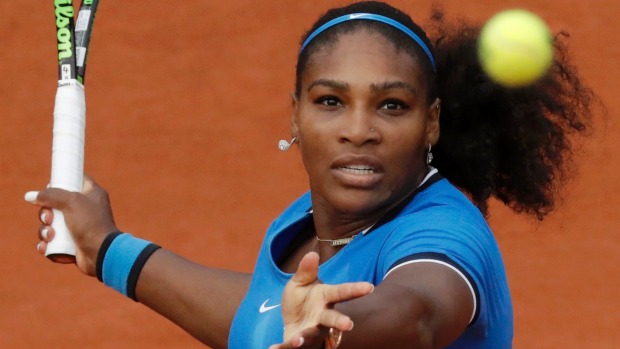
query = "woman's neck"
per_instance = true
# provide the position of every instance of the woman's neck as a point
(332, 224)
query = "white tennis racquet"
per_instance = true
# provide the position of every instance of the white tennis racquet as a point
(69, 112)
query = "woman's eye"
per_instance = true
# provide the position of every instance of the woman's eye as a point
(393, 105)
(329, 101)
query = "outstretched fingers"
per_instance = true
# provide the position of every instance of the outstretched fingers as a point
(347, 291)
(308, 270)
(308, 305)
(337, 294)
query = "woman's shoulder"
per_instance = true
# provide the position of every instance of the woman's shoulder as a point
(441, 211)
(440, 220)
(442, 198)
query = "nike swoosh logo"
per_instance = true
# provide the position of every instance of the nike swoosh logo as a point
(356, 16)
(263, 307)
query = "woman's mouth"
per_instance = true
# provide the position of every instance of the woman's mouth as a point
(358, 169)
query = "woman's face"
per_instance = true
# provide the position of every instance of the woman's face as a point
(363, 123)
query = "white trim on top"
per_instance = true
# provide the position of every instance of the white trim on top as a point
(471, 288)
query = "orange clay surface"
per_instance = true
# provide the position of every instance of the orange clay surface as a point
(186, 102)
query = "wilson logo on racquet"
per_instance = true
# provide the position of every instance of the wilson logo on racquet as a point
(64, 14)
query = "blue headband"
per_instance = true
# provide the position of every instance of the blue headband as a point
(372, 17)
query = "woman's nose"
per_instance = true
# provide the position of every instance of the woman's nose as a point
(358, 127)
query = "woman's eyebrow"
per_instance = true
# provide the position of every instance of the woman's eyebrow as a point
(339, 85)
(389, 85)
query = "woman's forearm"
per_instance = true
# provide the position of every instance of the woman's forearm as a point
(201, 300)
(419, 306)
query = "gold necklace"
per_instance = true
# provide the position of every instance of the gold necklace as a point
(343, 241)
(338, 242)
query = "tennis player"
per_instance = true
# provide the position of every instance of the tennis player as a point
(404, 141)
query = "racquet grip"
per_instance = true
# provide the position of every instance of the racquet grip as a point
(67, 156)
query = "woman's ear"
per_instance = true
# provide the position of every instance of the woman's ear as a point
(432, 127)
(294, 116)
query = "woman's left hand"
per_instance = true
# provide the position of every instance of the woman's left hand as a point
(307, 306)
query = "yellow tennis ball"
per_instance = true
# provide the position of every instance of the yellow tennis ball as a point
(515, 48)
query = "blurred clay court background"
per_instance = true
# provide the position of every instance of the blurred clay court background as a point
(186, 102)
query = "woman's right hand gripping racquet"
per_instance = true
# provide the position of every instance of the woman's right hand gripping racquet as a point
(69, 114)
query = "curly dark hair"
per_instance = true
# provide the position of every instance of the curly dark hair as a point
(514, 144)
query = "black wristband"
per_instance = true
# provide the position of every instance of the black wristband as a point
(102, 251)
(136, 268)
